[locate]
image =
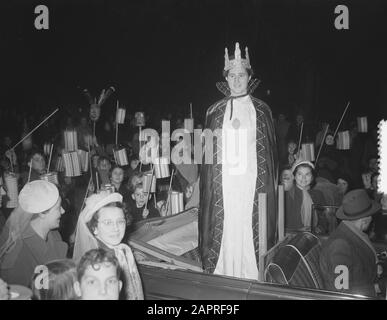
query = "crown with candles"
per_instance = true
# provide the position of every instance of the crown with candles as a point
(229, 64)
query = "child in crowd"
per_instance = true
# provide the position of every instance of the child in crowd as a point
(103, 168)
(292, 154)
(62, 275)
(116, 179)
(287, 178)
(98, 276)
(137, 208)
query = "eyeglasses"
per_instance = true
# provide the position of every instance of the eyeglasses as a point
(110, 223)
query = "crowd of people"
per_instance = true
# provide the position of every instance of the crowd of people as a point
(77, 225)
(29, 239)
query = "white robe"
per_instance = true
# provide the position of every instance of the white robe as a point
(239, 174)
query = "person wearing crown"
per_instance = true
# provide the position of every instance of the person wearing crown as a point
(244, 164)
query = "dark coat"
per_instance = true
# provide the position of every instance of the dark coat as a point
(211, 197)
(345, 247)
(19, 264)
(293, 204)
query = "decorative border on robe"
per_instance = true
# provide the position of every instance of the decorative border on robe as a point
(210, 248)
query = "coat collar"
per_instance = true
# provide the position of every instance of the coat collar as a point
(362, 237)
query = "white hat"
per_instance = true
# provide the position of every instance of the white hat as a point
(301, 161)
(98, 200)
(38, 196)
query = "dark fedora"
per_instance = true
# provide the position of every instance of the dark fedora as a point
(357, 204)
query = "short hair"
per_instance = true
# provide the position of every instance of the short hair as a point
(114, 167)
(103, 158)
(286, 167)
(62, 274)
(136, 186)
(250, 72)
(34, 152)
(347, 178)
(132, 181)
(92, 224)
(95, 258)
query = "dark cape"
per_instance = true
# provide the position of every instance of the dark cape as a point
(211, 197)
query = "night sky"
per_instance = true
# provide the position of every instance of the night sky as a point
(166, 53)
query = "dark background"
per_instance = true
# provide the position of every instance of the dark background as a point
(163, 54)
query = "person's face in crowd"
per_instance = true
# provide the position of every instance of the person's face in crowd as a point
(291, 147)
(373, 164)
(281, 117)
(134, 163)
(342, 185)
(117, 175)
(303, 177)
(199, 126)
(99, 283)
(140, 197)
(104, 165)
(38, 163)
(299, 119)
(329, 140)
(52, 217)
(111, 225)
(287, 179)
(238, 80)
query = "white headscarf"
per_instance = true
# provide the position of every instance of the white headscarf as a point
(84, 239)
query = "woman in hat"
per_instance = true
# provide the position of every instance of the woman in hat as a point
(30, 237)
(102, 224)
(301, 196)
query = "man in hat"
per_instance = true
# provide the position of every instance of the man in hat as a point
(348, 259)
(30, 238)
(244, 164)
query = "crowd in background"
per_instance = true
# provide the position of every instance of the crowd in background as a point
(322, 183)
